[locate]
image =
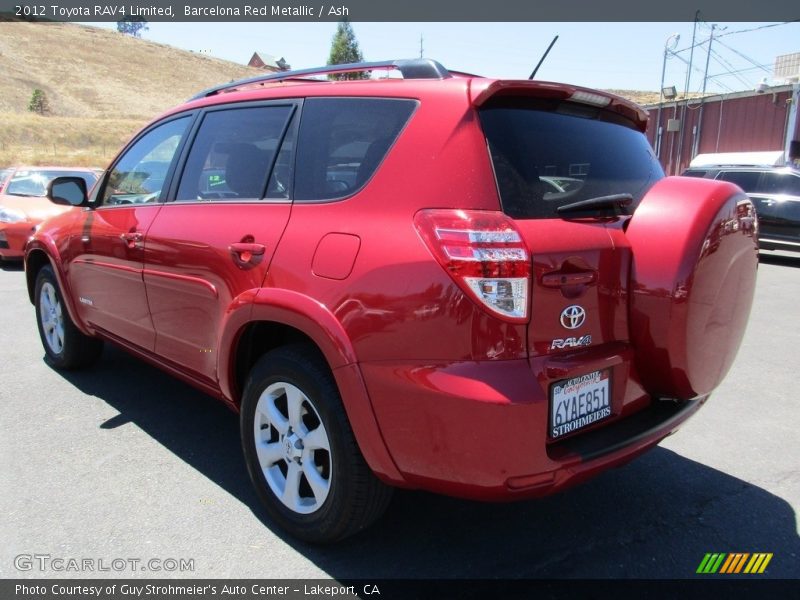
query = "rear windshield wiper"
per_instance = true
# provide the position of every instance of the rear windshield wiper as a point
(602, 206)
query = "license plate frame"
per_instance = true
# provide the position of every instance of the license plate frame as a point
(578, 402)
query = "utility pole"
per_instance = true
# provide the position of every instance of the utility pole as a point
(421, 48)
(671, 41)
(696, 145)
(686, 93)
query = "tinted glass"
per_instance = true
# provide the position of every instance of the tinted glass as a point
(140, 174)
(33, 182)
(747, 180)
(547, 154)
(342, 141)
(694, 173)
(781, 183)
(232, 154)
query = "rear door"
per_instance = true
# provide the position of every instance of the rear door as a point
(752, 182)
(216, 235)
(780, 192)
(549, 153)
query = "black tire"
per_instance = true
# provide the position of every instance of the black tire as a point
(348, 496)
(69, 349)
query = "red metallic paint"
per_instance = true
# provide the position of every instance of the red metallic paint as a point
(48, 247)
(484, 89)
(15, 235)
(315, 320)
(192, 275)
(479, 429)
(106, 271)
(693, 282)
(440, 394)
(335, 256)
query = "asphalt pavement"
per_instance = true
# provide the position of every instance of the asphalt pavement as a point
(124, 463)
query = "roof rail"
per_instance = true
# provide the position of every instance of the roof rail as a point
(415, 68)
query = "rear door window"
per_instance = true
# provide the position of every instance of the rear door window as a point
(233, 153)
(694, 173)
(747, 180)
(550, 153)
(342, 141)
(781, 183)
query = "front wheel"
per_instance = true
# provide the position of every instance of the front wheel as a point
(300, 450)
(66, 347)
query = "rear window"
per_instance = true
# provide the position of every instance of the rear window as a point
(550, 153)
(342, 141)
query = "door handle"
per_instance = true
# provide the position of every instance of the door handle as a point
(557, 279)
(245, 251)
(131, 238)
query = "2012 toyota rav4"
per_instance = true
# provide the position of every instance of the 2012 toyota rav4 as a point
(378, 276)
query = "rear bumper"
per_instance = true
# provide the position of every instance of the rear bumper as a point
(479, 430)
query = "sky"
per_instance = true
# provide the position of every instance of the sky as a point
(600, 55)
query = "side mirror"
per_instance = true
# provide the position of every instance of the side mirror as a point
(69, 191)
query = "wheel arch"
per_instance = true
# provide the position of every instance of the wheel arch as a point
(262, 320)
(37, 256)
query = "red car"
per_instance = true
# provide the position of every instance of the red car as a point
(376, 277)
(24, 203)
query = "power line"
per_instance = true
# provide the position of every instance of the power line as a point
(745, 57)
(758, 28)
(727, 66)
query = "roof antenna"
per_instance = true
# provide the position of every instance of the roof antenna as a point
(541, 60)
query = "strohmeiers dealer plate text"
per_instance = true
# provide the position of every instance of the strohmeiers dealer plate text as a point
(579, 402)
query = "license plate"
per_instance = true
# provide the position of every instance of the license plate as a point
(579, 402)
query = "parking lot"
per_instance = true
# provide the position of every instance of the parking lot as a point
(123, 461)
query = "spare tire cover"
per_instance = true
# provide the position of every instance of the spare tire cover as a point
(693, 277)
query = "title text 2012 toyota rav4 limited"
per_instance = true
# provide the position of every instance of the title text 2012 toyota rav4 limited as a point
(378, 277)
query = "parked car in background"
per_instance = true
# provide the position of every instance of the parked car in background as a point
(376, 275)
(24, 203)
(774, 190)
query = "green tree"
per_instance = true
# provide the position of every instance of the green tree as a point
(39, 103)
(344, 49)
(133, 26)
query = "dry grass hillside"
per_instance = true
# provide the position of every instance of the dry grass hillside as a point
(101, 87)
(92, 72)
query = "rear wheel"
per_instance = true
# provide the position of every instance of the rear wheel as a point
(300, 450)
(66, 347)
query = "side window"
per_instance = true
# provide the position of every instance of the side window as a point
(747, 180)
(139, 175)
(694, 173)
(233, 153)
(342, 141)
(781, 183)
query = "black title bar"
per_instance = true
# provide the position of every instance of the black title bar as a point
(395, 10)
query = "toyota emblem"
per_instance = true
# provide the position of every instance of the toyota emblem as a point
(573, 316)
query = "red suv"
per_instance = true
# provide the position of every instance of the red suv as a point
(380, 277)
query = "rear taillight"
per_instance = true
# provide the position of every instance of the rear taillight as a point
(484, 253)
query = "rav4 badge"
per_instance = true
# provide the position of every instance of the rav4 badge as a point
(571, 342)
